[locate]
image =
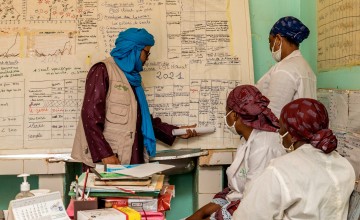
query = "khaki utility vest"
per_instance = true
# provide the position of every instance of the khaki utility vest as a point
(120, 122)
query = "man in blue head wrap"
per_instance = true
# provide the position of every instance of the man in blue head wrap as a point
(291, 77)
(115, 124)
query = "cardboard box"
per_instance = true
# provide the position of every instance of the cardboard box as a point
(82, 205)
(101, 214)
(106, 214)
(138, 204)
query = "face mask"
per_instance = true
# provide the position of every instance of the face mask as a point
(232, 127)
(276, 54)
(281, 137)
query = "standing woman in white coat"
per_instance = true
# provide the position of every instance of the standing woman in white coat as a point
(313, 182)
(247, 115)
(291, 77)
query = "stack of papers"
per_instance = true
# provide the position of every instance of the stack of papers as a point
(155, 185)
(116, 179)
(132, 180)
(143, 170)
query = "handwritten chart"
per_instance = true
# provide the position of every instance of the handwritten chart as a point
(337, 104)
(202, 102)
(9, 44)
(343, 107)
(53, 44)
(202, 51)
(54, 109)
(50, 10)
(338, 33)
(9, 10)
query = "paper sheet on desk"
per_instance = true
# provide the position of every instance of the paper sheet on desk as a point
(156, 185)
(146, 169)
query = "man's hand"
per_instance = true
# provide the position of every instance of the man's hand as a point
(189, 132)
(111, 160)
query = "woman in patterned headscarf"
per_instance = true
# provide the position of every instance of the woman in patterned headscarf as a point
(291, 77)
(312, 182)
(247, 115)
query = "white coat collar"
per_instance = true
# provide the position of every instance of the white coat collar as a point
(295, 53)
(240, 164)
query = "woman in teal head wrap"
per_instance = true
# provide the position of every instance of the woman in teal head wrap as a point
(103, 137)
(291, 77)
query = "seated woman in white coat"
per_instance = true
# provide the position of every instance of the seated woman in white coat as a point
(247, 115)
(313, 182)
(291, 77)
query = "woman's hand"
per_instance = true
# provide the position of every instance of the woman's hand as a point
(205, 212)
(189, 132)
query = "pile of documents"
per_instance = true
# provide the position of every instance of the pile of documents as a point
(130, 179)
(139, 187)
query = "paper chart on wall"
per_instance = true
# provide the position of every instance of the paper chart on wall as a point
(343, 109)
(338, 33)
(337, 105)
(351, 151)
(354, 112)
(202, 51)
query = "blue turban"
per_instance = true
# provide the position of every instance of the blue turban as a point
(292, 28)
(128, 47)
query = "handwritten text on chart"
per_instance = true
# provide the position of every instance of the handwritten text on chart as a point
(53, 109)
(338, 34)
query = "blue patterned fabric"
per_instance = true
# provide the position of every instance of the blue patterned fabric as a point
(128, 47)
(290, 27)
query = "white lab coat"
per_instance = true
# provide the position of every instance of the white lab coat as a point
(287, 80)
(303, 185)
(251, 160)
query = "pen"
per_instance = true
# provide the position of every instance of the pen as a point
(126, 190)
(76, 187)
(87, 194)
(86, 177)
(80, 193)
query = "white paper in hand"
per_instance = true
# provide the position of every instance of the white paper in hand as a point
(199, 130)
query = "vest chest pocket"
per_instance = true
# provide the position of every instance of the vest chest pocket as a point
(118, 104)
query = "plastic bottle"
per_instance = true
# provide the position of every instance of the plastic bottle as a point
(24, 188)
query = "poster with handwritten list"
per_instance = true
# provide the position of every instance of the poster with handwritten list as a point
(202, 51)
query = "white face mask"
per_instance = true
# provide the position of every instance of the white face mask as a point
(232, 127)
(281, 137)
(276, 54)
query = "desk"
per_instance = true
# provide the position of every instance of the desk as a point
(216, 157)
(211, 167)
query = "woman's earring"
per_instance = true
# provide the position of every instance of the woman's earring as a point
(291, 148)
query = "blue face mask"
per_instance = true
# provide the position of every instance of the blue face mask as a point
(232, 127)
